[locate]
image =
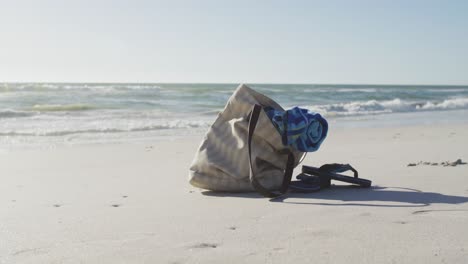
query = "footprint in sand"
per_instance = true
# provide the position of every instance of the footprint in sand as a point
(116, 205)
(124, 196)
(29, 251)
(149, 148)
(401, 222)
(205, 245)
(57, 205)
(232, 227)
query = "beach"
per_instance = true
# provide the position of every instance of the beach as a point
(115, 114)
(130, 202)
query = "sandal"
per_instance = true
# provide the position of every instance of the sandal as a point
(314, 179)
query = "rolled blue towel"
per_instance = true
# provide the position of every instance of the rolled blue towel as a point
(300, 128)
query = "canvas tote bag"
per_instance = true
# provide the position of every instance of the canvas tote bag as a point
(243, 151)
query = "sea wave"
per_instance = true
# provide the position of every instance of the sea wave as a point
(396, 105)
(9, 113)
(58, 107)
(338, 90)
(456, 103)
(454, 90)
(172, 124)
(354, 90)
(56, 87)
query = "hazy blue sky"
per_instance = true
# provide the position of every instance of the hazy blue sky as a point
(423, 42)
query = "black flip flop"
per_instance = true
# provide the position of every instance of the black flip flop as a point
(313, 179)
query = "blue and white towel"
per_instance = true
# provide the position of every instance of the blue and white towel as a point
(300, 128)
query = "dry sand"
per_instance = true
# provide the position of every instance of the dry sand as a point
(131, 203)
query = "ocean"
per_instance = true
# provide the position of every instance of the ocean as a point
(51, 114)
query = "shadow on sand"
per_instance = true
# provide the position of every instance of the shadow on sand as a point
(355, 196)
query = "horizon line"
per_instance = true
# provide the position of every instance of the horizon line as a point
(233, 83)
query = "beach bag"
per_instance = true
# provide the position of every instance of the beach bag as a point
(242, 151)
(252, 146)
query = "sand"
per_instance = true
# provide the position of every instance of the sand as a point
(131, 203)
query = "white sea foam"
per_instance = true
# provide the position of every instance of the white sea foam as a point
(456, 103)
(396, 105)
(64, 126)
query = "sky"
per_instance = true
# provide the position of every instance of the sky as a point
(339, 42)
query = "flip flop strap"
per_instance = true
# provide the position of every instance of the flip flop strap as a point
(338, 168)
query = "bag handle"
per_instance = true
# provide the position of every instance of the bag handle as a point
(254, 115)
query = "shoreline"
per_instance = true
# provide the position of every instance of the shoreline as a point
(384, 121)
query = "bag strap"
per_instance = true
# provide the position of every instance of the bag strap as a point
(254, 115)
